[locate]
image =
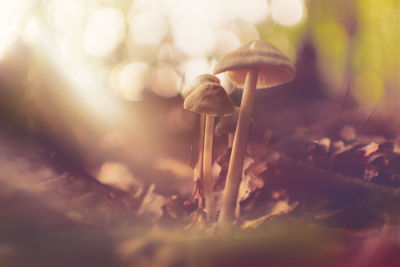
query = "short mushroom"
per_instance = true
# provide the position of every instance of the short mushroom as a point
(257, 64)
(211, 100)
(196, 83)
(227, 125)
(200, 80)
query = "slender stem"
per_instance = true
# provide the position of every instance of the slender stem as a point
(198, 173)
(207, 161)
(235, 169)
(230, 140)
(237, 209)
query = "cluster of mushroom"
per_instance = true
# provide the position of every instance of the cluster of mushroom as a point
(207, 97)
(257, 64)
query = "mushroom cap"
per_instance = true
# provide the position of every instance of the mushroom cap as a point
(210, 99)
(228, 124)
(201, 79)
(274, 67)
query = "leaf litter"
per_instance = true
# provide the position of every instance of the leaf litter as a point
(339, 183)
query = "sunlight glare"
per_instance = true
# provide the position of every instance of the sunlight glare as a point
(31, 32)
(87, 83)
(11, 17)
(105, 30)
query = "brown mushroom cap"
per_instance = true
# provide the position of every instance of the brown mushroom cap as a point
(201, 79)
(210, 99)
(227, 124)
(274, 67)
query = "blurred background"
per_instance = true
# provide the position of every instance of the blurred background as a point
(107, 75)
(94, 69)
(94, 86)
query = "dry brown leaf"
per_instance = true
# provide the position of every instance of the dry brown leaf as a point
(281, 207)
(151, 207)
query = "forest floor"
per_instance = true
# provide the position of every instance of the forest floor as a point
(308, 198)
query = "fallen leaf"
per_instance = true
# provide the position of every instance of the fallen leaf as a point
(281, 207)
(118, 175)
(177, 168)
(250, 182)
(151, 207)
(369, 149)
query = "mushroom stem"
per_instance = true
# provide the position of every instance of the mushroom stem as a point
(235, 169)
(199, 166)
(207, 161)
(230, 140)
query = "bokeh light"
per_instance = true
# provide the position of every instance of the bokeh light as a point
(209, 13)
(194, 68)
(71, 46)
(148, 28)
(68, 15)
(77, 76)
(168, 53)
(287, 12)
(245, 31)
(253, 11)
(226, 42)
(194, 39)
(132, 80)
(105, 30)
(165, 81)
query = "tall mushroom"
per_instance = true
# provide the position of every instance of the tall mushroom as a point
(257, 64)
(227, 125)
(211, 100)
(196, 83)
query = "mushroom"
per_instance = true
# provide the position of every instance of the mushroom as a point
(200, 80)
(211, 100)
(196, 83)
(227, 125)
(257, 64)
